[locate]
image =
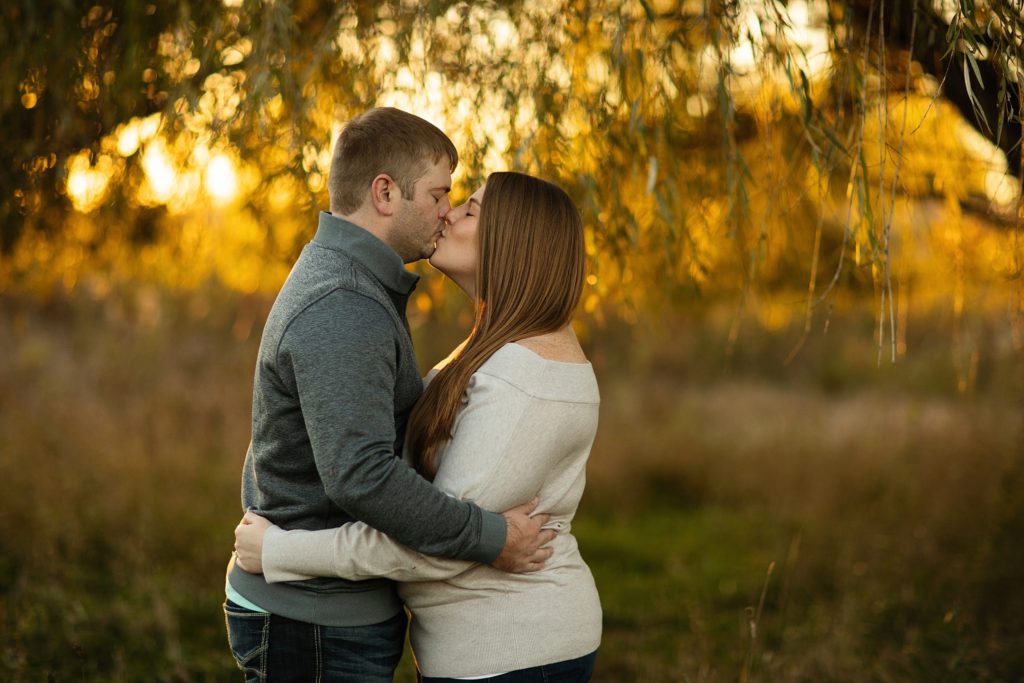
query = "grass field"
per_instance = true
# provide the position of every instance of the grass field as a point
(829, 520)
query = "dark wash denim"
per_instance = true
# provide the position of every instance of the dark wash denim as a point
(272, 649)
(570, 671)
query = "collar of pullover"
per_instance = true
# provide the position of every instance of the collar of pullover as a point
(362, 245)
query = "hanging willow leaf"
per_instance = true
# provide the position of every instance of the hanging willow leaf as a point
(741, 117)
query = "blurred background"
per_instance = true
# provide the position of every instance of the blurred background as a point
(805, 308)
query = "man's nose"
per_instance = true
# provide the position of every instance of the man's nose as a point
(446, 207)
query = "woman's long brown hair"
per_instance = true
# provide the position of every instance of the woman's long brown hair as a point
(529, 277)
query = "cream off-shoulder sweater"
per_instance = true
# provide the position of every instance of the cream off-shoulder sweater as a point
(526, 428)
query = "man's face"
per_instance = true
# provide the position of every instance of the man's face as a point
(420, 218)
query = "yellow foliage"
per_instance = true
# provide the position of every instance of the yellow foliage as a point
(700, 161)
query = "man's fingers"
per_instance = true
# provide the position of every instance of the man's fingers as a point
(525, 509)
(533, 562)
(528, 507)
(536, 565)
(546, 536)
(524, 550)
(542, 555)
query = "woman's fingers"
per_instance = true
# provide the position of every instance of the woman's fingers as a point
(251, 518)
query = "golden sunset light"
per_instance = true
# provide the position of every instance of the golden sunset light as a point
(779, 244)
(161, 174)
(220, 179)
(87, 184)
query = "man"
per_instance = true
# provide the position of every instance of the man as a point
(336, 378)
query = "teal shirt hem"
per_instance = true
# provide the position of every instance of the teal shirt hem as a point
(240, 600)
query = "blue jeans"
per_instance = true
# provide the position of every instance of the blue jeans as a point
(570, 671)
(272, 649)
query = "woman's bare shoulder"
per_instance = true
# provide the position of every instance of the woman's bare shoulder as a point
(560, 345)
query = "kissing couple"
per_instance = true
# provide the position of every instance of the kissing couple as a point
(375, 496)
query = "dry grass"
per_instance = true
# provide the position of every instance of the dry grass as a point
(888, 516)
(890, 509)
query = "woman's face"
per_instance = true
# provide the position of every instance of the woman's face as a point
(456, 252)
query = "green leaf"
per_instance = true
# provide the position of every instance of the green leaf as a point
(806, 97)
(968, 35)
(977, 71)
(979, 112)
(863, 194)
(742, 162)
(951, 33)
(831, 135)
(648, 10)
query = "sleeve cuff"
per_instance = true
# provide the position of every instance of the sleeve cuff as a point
(275, 554)
(493, 530)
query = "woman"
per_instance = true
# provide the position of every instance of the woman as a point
(510, 414)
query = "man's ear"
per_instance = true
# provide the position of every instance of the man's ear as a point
(385, 195)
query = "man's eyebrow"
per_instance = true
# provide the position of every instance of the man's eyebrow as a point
(445, 188)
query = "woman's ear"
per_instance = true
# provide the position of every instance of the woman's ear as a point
(385, 195)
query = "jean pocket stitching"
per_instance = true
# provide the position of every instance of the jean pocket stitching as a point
(252, 659)
(243, 612)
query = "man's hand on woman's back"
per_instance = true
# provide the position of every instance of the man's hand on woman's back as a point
(525, 540)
